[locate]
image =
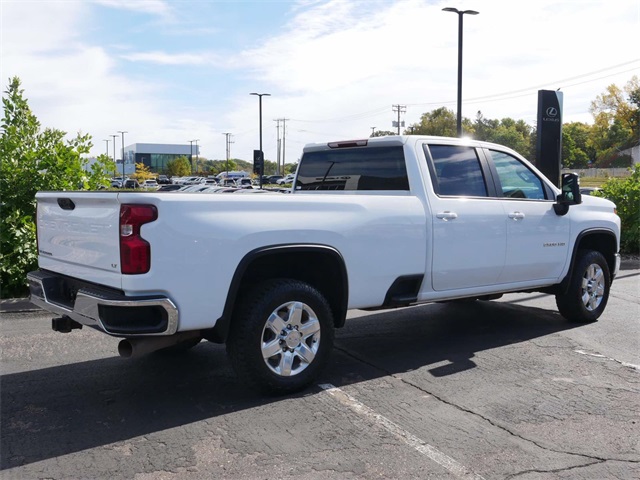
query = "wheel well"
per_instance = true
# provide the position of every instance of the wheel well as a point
(319, 266)
(603, 242)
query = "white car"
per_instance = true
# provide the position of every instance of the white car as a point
(288, 179)
(150, 185)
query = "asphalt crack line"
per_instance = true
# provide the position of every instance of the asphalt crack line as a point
(418, 444)
(471, 412)
(556, 470)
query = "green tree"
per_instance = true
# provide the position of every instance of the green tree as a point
(440, 122)
(31, 159)
(616, 115)
(577, 152)
(100, 171)
(179, 167)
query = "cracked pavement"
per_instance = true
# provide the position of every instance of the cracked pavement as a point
(506, 389)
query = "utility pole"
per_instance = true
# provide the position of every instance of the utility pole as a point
(278, 120)
(115, 165)
(123, 171)
(399, 109)
(191, 156)
(373, 130)
(228, 145)
(284, 136)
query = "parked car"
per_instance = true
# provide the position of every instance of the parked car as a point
(150, 184)
(272, 179)
(169, 188)
(116, 182)
(452, 219)
(131, 184)
(244, 182)
(288, 179)
(589, 190)
(163, 180)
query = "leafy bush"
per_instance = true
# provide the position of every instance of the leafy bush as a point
(625, 193)
(32, 159)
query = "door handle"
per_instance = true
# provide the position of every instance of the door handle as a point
(516, 215)
(446, 216)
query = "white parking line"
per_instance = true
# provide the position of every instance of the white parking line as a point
(597, 355)
(421, 446)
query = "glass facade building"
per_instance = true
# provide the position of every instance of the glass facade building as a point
(157, 155)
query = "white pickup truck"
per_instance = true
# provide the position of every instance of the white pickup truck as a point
(377, 223)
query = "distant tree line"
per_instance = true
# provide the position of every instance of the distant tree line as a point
(616, 127)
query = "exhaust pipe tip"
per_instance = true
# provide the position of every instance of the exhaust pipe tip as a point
(135, 347)
(125, 349)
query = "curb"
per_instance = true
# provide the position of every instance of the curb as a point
(15, 305)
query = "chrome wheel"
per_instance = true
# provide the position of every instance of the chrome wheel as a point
(290, 339)
(593, 287)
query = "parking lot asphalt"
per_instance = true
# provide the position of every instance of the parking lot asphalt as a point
(502, 389)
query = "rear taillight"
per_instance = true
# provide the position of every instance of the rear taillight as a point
(135, 251)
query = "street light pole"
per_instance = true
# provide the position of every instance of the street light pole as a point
(460, 15)
(191, 156)
(260, 95)
(197, 156)
(123, 172)
(115, 164)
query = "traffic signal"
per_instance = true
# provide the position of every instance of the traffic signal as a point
(258, 162)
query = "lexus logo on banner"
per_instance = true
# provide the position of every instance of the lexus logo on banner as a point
(549, 139)
(551, 115)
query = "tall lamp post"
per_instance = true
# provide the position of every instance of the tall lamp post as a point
(115, 165)
(191, 155)
(122, 133)
(260, 95)
(460, 13)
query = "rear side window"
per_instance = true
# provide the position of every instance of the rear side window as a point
(457, 171)
(368, 168)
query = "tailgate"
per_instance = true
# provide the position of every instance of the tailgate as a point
(78, 235)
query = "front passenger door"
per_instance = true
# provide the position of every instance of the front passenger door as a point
(537, 238)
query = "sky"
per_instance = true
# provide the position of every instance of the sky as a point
(174, 71)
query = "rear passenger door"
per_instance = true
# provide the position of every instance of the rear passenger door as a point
(537, 238)
(469, 231)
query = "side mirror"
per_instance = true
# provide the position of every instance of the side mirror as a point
(570, 194)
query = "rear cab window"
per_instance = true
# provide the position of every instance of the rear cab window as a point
(456, 170)
(354, 169)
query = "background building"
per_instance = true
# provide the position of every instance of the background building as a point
(156, 155)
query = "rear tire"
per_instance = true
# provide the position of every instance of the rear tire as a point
(281, 336)
(588, 292)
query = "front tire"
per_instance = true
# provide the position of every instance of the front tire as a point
(588, 292)
(281, 336)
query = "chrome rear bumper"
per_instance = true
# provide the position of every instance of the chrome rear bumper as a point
(106, 309)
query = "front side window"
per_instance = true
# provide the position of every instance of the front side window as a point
(516, 179)
(367, 168)
(457, 171)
